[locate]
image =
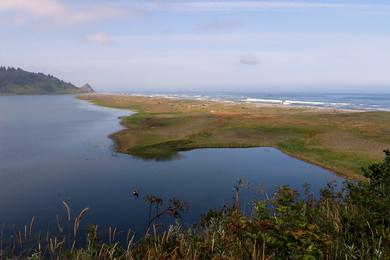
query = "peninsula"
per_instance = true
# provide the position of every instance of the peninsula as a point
(341, 141)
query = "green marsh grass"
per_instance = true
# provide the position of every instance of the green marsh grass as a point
(341, 141)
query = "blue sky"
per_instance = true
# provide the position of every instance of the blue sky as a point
(167, 45)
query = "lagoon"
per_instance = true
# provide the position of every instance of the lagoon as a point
(56, 148)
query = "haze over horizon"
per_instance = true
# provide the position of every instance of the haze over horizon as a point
(256, 46)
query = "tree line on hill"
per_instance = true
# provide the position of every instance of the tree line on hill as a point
(19, 81)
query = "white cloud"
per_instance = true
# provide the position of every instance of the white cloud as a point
(58, 13)
(98, 38)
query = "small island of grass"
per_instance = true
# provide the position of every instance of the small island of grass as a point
(339, 140)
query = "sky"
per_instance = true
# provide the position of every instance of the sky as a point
(199, 45)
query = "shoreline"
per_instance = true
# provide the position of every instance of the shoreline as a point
(111, 136)
(161, 127)
(280, 103)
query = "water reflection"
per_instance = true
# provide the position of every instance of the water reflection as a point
(56, 148)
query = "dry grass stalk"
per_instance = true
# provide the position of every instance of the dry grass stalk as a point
(111, 234)
(59, 225)
(128, 251)
(54, 244)
(78, 220)
(73, 247)
(31, 226)
(66, 205)
(100, 255)
(128, 235)
(111, 252)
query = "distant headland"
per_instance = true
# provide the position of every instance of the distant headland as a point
(15, 81)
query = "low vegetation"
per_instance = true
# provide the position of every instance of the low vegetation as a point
(342, 141)
(352, 223)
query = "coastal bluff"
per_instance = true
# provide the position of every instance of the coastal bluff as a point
(16, 81)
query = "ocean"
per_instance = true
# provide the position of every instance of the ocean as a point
(369, 102)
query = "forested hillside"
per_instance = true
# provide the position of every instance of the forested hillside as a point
(18, 81)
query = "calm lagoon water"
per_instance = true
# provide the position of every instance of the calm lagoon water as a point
(55, 148)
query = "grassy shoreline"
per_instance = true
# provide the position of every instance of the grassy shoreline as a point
(341, 141)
